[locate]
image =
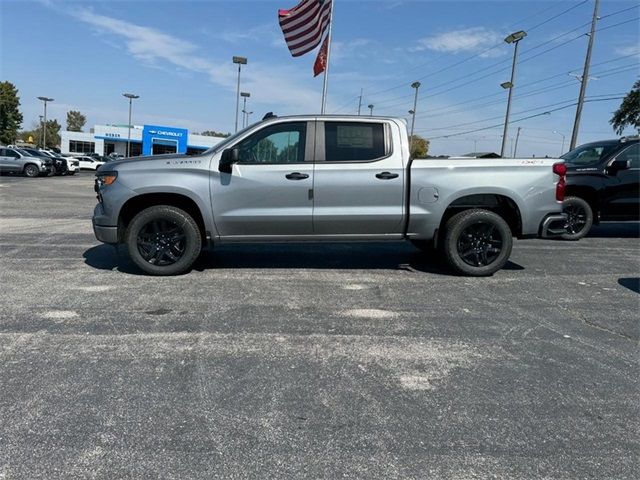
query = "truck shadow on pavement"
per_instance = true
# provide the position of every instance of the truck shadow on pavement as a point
(632, 283)
(615, 230)
(349, 256)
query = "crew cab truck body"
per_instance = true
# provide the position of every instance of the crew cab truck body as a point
(325, 178)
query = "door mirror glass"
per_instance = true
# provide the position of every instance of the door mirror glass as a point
(229, 157)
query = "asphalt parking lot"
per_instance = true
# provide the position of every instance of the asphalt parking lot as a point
(310, 361)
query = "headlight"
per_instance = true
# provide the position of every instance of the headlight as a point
(105, 178)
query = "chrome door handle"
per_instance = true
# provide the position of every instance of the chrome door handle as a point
(386, 175)
(296, 176)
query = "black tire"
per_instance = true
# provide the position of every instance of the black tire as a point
(477, 242)
(31, 170)
(163, 240)
(579, 218)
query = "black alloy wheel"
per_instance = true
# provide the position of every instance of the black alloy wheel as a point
(579, 218)
(479, 244)
(161, 242)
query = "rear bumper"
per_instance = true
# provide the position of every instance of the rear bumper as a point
(553, 225)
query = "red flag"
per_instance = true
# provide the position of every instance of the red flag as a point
(304, 25)
(320, 65)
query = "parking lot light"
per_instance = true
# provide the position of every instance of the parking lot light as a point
(244, 96)
(514, 38)
(130, 96)
(239, 61)
(44, 124)
(370, 107)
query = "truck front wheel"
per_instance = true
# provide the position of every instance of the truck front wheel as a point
(477, 242)
(163, 240)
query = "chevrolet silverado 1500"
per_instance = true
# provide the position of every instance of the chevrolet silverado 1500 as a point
(325, 178)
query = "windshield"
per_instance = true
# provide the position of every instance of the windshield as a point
(227, 141)
(26, 153)
(589, 154)
(31, 152)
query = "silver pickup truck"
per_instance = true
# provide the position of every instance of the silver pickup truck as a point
(325, 178)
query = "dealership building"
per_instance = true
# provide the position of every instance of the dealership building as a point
(145, 140)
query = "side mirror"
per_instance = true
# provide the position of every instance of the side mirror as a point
(229, 157)
(619, 165)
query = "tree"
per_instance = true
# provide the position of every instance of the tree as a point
(213, 133)
(53, 134)
(10, 116)
(419, 147)
(628, 114)
(75, 121)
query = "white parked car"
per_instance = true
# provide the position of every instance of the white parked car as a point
(89, 163)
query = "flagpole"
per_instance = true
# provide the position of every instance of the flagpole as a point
(326, 70)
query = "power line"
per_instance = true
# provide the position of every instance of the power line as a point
(498, 125)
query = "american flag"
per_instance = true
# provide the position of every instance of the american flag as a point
(304, 25)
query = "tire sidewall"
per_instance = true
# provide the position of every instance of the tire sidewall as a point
(577, 201)
(163, 212)
(458, 223)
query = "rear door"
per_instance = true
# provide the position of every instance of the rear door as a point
(358, 179)
(268, 193)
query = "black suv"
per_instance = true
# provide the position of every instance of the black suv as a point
(603, 184)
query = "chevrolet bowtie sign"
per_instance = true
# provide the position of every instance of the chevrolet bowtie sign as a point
(167, 136)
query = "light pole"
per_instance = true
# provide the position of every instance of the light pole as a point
(244, 96)
(370, 107)
(515, 150)
(130, 96)
(44, 124)
(247, 114)
(415, 85)
(360, 101)
(239, 61)
(563, 138)
(513, 38)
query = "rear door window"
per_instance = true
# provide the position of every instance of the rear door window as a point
(354, 141)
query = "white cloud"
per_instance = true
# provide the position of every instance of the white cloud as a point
(467, 40)
(628, 50)
(273, 85)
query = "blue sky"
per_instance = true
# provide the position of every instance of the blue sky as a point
(177, 57)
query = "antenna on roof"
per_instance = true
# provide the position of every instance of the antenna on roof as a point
(269, 115)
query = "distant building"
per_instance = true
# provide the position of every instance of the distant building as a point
(145, 140)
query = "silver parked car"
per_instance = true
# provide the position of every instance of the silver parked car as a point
(16, 160)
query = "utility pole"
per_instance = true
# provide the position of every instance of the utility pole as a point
(360, 101)
(515, 150)
(370, 107)
(585, 77)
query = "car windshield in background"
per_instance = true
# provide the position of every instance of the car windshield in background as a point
(589, 154)
(26, 153)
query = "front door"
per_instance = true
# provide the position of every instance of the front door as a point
(622, 191)
(359, 179)
(268, 192)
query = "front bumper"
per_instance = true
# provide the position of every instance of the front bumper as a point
(553, 225)
(104, 233)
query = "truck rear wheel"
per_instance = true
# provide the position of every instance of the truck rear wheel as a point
(163, 240)
(477, 242)
(579, 218)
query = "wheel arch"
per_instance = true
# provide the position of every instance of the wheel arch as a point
(589, 195)
(500, 204)
(136, 204)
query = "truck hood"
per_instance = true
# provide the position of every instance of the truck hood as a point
(154, 162)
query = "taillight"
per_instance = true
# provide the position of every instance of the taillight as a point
(560, 169)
